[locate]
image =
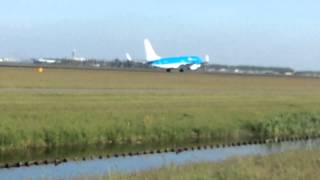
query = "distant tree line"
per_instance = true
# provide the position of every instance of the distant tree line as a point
(280, 70)
(117, 63)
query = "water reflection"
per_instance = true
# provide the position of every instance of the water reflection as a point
(85, 151)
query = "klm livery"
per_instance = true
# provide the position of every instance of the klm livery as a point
(181, 63)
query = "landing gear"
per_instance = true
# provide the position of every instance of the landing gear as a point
(183, 68)
(168, 70)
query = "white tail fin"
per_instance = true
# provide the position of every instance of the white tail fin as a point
(128, 57)
(150, 53)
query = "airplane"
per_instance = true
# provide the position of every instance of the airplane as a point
(181, 62)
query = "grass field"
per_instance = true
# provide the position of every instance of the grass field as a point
(289, 165)
(79, 107)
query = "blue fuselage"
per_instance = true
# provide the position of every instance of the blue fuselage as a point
(176, 62)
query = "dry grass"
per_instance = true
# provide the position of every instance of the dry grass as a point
(289, 165)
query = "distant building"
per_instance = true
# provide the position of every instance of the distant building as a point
(44, 60)
(10, 60)
(288, 73)
(238, 71)
(74, 56)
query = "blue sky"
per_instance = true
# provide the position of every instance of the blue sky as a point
(269, 33)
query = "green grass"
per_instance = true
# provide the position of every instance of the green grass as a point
(87, 107)
(288, 125)
(289, 165)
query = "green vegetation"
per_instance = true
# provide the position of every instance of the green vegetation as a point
(289, 165)
(94, 107)
(288, 125)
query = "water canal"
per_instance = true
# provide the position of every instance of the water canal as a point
(128, 164)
